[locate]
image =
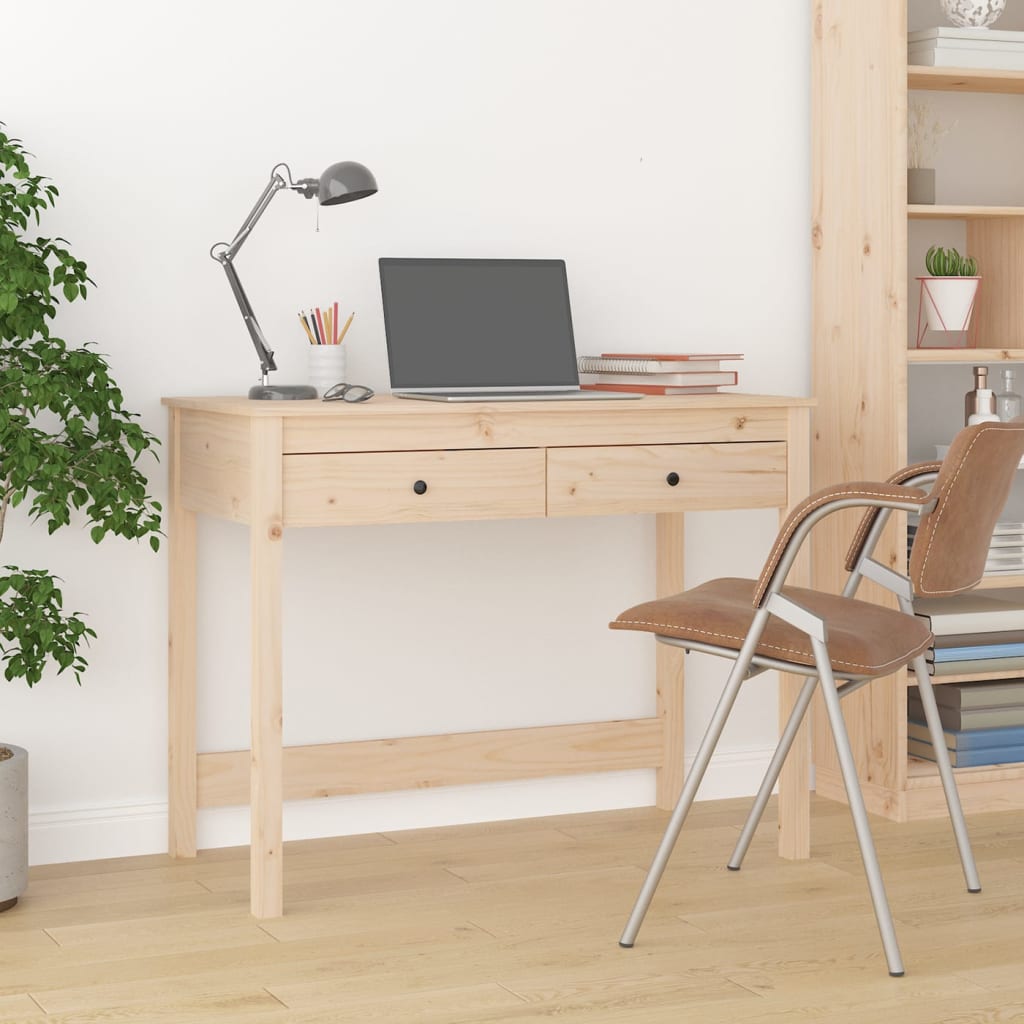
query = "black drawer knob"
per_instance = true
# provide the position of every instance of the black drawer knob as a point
(420, 487)
(672, 479)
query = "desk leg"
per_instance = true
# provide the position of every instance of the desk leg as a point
(669, 664)
(794, 781)
(265, 535)
(181, 659)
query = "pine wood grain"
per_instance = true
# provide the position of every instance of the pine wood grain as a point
(518, 922)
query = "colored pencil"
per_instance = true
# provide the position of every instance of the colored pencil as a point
(305, 327)
(344, 330)
(320, 323)
(336, 321)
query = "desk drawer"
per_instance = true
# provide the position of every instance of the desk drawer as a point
(639, 478)
(382, 487)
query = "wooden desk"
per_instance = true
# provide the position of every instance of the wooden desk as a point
(272, 465)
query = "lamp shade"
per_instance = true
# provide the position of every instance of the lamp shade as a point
(341, 183)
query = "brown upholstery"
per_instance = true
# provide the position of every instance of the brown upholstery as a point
(863, 639)
(868, 520)
(952, 541)
(838, 492)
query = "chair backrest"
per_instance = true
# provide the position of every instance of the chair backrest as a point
(952, 541)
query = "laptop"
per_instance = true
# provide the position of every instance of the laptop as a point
(470, 330)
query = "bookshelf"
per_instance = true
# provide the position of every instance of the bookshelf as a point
(863, 370)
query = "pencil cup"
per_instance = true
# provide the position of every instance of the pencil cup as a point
(326, 367)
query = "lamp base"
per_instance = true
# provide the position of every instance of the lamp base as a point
(281, 392)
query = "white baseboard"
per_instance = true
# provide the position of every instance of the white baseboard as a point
(96, 833)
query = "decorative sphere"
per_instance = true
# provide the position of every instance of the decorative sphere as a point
(973, 13)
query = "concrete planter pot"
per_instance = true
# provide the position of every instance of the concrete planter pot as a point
(13, 824)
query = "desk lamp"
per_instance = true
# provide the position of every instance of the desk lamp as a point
(340, 183)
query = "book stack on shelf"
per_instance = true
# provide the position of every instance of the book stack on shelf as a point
(657, 373)
(1005, 552)
(983, 723)
(980, 631)
(947, 46)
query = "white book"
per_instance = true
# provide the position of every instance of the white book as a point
(977, 611)
(946, 58)
(969, 35)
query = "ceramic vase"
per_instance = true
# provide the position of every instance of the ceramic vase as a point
(973, 13)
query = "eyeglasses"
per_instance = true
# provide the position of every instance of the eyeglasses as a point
(348, 393)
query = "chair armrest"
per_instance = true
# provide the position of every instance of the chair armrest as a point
(820, 504)
(903, 476)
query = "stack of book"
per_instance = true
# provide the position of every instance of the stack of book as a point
(1005, 552)
(657, 373)
(980, 631)
(946, 46)
(983, 723)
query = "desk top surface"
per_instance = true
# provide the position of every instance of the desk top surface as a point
(391, 406)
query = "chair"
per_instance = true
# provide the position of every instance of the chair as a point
(838, 642)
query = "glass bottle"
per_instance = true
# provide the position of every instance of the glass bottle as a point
(971, 398)
(1009, 404)
(986, 411)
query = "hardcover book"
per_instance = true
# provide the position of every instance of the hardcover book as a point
(976, 652)
(968, 758)
(1003, 636)
(652, 389)
(723, 378)
(967, 719)
(974, 612)
(969, 739)
(963, 668)
(646, 364)
(993, 694)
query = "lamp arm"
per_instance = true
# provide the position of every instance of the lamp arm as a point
(225, 252)
(263, 350)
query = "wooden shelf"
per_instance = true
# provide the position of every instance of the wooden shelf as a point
(962, 212)
(973, 677)
(965, 355)
(926, 773)
(965, 80)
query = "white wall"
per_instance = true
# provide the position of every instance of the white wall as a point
(661, 147)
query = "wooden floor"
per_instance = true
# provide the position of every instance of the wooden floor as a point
(519, 921)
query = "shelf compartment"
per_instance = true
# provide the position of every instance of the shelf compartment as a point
(943, 79)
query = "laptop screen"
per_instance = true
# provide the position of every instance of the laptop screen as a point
(466, 323)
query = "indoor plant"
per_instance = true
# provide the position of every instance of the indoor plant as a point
(949, 290)
(68, 450)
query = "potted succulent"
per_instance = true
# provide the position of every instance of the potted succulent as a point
(69, 454)
(949, 290)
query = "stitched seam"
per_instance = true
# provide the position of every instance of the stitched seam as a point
(942, 504)
(774, 647)
(772, 564)
(868, 519)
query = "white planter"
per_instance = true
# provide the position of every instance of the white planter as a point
(948, 301)
(13, 825)
(326, 367)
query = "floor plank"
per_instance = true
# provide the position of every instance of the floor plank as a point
(518, 922)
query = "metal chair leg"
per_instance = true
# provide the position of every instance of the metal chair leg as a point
(694, 778)
(956, 813)
(883, 915)
(771, 776)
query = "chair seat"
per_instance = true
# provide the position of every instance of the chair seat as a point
(863, 639)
